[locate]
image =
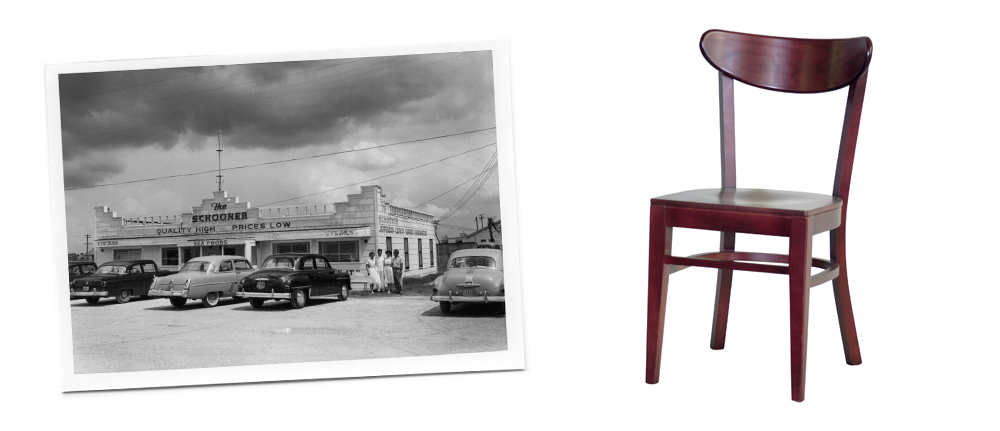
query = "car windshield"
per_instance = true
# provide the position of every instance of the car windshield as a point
(196, 266)
(474, 262)
(278, 262)
(111, 269)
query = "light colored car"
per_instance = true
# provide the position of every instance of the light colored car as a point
(473, 276)
(207, 278)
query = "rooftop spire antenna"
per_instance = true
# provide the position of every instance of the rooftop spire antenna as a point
(219, 150)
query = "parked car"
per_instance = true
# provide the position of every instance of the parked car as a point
(295, 277)
(473, 276)
(120, 279)
(80, 268)
(207, 278)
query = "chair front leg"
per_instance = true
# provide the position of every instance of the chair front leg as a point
(659, 246)
(723, 288)
(842, 297)
(799, 274)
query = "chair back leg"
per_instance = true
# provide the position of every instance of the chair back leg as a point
(799, 274)
(723, 288)
(842, 297)
(659, 245)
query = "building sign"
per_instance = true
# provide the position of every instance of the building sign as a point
(401, 231)
(203, 218)
(107, 243)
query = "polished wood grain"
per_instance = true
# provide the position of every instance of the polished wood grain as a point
(779, 202)
(659, 246)
(780, 64)
(787, 64)
(799, 264)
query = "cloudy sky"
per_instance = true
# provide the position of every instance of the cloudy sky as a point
(123, 131)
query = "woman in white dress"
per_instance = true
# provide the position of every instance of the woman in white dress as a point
(370, 264)
(380, 269)
(386, 273)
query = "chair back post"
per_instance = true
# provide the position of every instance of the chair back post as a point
(727, 130)
(849, 141)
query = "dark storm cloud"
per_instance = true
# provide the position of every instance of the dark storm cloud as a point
(273, 106)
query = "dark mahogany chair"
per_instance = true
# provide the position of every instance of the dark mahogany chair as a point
(779, 64)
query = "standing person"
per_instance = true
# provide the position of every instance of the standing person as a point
(370, 264)
(387, 278)
(380, 268)
(397, 271)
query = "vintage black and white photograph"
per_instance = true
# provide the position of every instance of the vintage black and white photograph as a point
(309, 213)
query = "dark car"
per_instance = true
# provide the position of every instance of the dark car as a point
(295, 277)
(120, 279)
(80, 268)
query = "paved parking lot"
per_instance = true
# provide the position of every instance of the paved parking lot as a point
(153, 335)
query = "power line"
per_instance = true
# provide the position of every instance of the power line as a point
(282, 161)
(449, 190)
(145, 83)
(469, 194)
(377, 178)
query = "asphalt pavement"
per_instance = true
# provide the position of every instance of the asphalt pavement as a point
(151, 334)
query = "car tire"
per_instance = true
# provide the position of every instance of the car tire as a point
(445, 306)
(344, 293)
(210, 300)
(93, 300)
(298, 298)
(177, 301)
(123, 296)
(257, 302)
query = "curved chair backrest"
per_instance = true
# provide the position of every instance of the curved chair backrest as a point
(787, 64)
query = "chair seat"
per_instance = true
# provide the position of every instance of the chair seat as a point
(778, 202)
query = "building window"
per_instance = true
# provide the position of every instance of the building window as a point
(191, 253)
(388, 246)
(127, 253)
(340, 251)
(430, 245)
(406, 253)
(292, 247)
(420, 253)
(169, 256)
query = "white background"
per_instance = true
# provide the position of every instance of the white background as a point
(612, 105)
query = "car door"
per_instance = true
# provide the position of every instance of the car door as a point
(329, 275)
(241, 268)
(132, 279)
(307, 267)
(149, 271)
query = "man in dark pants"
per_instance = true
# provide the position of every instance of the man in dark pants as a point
(397, 271)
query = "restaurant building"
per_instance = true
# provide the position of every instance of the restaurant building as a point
(344, 232)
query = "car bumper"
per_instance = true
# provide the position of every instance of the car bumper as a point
(166, 293)
(480, 299)
(268, 295)
(86, 294)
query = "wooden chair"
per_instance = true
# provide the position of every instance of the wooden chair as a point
(779, 64)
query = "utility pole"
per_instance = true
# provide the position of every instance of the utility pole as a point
(86, 250)
(219, 150)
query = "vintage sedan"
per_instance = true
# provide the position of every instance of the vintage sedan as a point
(121, 280)
(207, 278)
(295, 277)
(79, 269)
(473, 276)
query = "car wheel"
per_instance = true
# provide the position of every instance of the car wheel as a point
(93, 300)
(343, 293)
(178, 301)
(445, 306)
(210, 300)
(257, 302)
(298, 298)
(123, 296)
